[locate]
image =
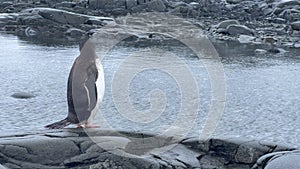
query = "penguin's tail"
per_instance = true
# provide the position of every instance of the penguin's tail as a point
(59, 125)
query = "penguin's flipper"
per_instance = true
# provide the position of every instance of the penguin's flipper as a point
(84, 92)
(59, 125)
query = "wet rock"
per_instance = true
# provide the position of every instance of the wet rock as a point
(94, 22)
(210, 162)
(156, 5)
(33, 20)
(296, 25)
(260, 51)
(285, 3)
(119, 12)
(2, 167)
(60, 16)
(95, 4)
(7, 19)
(75, 33)
(10, 28)
(290, 14)
(296, 45)
(149, 6)
(65, 5)
(246, 39)
(31, 32)
(129, 4)
(48, 22)
(106, 4)
(247, 154)
(239, 29)
(224, 24)
(225, 148)
(67, 148)
(186, 156)
(63, 17)
(287, 161)
(279, 20)
(22, 95)
(233, 1)
(5, 4)
(276, 50)
(270, 40)
(19, 6)
(197, 145)
(182, 9)
(15, 151)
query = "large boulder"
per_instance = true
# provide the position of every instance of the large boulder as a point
(58, 16)
(61, 16)
(48, 22)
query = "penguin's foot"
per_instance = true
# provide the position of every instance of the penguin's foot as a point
(89, 125)
(80, 126)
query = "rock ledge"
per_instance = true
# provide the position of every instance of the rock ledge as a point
(94, 148)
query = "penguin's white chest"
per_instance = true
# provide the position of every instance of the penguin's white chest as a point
(100, 84)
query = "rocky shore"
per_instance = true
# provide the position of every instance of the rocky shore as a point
(78, 148)
(272, 22)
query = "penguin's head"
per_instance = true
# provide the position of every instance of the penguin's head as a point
(87, 45)
(87, 40)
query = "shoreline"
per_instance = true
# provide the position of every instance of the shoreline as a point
(92, 148)
(269, 22)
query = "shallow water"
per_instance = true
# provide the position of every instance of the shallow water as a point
(262, 91)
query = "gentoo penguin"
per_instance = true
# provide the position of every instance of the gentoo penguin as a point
(85, 88)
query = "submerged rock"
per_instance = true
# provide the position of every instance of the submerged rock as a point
(22, 95)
